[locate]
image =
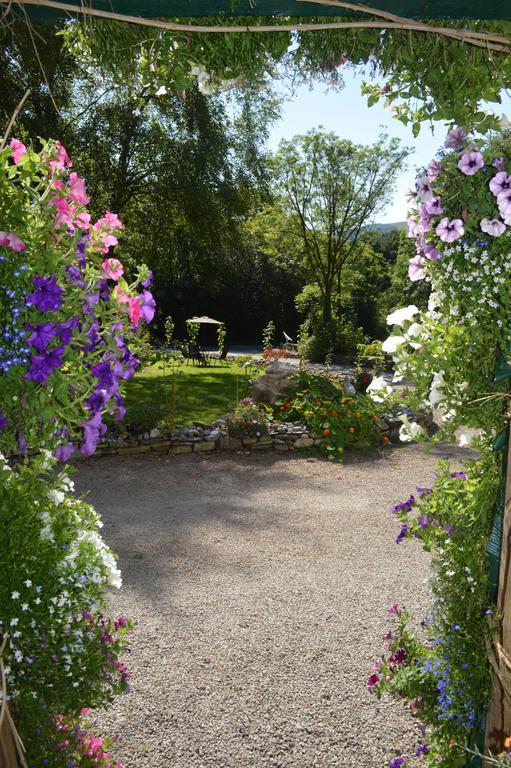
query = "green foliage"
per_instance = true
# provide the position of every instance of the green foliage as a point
(337, 336)
(401, 290)
(169, 329)
(222, 339)
(269, 335)
(329, 189)
(373, 354)
(344, 421)
(421, 76)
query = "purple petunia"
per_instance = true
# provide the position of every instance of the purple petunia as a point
(431, 253)
(470, 163)
(416, 268)
(424, 190)
(148, 281)
(40, 334)
(75, 275)
(47, 296)
(93, 429)
(148, 305)
(461, 475)
(65, 329)
(64, 452)
(449, 231)
(3, 420)
(103, 372)
(41, 366)
(434, 206)
(397, 763)
(402, 533)
(422, 750)
(454, 138)
(504, 202)
(500, 182)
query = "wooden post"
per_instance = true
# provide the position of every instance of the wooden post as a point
(498, 723)
(12, 753)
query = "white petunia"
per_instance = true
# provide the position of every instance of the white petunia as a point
(409, 430)
(391, 344)
(400, 316)
(378, 389)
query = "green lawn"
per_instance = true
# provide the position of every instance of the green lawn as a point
(202, 394)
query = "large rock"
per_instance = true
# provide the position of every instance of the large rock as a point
(274, 382)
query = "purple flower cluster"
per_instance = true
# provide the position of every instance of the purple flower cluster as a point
(47, 296)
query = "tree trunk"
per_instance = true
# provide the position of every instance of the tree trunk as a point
(327, 304)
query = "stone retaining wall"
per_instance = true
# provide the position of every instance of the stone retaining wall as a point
(205, 439)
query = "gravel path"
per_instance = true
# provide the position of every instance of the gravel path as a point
(260, 585)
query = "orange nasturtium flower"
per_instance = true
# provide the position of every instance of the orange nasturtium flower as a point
(385, 438)
(351, 429)
(507, 742)
(326, 432)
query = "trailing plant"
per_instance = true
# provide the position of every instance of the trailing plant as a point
(246, 420)
(455, 352)
(268, 335)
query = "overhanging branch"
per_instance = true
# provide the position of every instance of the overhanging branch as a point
(501, 43)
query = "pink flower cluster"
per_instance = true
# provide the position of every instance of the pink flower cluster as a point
(89, 750)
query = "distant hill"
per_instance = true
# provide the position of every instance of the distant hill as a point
(399, 225)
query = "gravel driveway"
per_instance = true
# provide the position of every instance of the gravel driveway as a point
(260, 585)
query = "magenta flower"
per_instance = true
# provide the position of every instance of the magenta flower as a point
(424, 190)
(454, 138)
(493, 227)
(416, 269)
(434, 206)
(394, 609)
(373, 680)
(18, 150)
(500, 183)
(449, 231)
(470, 163)
(113, 269)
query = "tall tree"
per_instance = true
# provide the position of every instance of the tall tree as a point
(330, 189)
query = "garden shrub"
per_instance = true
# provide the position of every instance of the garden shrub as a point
(343, 420)
(247, 420)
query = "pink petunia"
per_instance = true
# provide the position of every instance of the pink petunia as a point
(12, 240)
(493, 227)
(18, 150)
(449, 231)
(416, 269)
(120, 295)
(134, 310)
(470, 163)
(63, 160)
(113, 269)
(454, 138)
(394, 609)
(77, 189)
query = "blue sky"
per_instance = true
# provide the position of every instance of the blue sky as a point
(347, 114)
